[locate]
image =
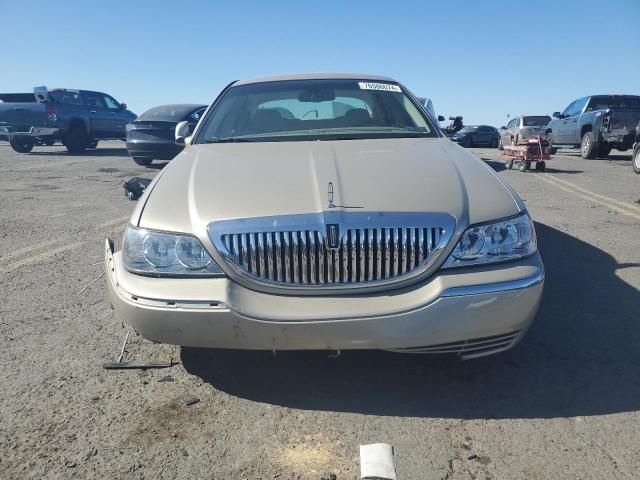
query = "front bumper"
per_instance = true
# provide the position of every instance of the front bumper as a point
(474, 312)
(160, 150)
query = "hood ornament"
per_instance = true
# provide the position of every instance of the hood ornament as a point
(330, 197)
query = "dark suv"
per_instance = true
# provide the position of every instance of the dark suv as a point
(477, 135)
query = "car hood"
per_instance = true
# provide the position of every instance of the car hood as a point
(212, 182)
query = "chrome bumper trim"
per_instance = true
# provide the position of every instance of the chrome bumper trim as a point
(33, 132)
(495, 287)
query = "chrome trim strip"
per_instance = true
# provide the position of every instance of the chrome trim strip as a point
(494, 287)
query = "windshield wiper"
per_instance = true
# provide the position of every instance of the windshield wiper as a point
(230, 140)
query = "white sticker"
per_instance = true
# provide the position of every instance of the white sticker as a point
(386, 87)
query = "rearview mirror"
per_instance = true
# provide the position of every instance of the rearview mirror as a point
(440, 118)
(182, 132)
(557, 115)
(123, 106)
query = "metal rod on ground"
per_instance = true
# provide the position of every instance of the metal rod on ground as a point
(92, 282)
(124, 344)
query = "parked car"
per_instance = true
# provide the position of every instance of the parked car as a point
(476, 136)
(151, 135)
(596, 124)
(77, 118)
(522, 127)
(365, 228)
(636, 151)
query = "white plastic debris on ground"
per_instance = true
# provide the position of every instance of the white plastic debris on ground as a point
(376, 461)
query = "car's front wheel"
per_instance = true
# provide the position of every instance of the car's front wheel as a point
(636, 159)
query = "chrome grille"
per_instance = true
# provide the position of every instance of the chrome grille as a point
(276, 252)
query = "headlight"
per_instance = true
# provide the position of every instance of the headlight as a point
(160, 253)
(128, 127)
(494, 242)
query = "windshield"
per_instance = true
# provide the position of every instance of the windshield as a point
(296, 110)
(535, 121)
(170, 111)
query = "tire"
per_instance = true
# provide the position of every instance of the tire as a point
(508, 164)
(525, 165)
(588, 146)
(92, 144)
(21, 144)
(636, 159)
(604, 150)
(494, 143)
(541, 166)
(76, 139)
(143, 161)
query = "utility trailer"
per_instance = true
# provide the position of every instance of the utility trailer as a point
(534, 149)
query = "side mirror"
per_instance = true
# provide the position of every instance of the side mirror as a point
(182, 132)
(557, 115)
(503, 128)
(123, 106)
(440, 118)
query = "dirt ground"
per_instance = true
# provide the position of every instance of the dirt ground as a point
(563, 404)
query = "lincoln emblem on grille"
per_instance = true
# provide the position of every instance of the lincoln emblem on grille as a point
(332, 237)
(330, 194)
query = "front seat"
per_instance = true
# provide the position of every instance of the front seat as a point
(267, 120)
(357, 117)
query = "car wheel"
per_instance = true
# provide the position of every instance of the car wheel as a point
(540, 166)
(93, 144)
(494, 143)
(143, 161)
(76, 139)
(588, 147)
(21, 144)
(525, 165)
(636, 159)
(508, 164)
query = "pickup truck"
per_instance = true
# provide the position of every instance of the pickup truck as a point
(596, 124)
(77, 118)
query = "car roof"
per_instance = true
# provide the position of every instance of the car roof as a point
(315, 76)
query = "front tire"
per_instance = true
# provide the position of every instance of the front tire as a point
(76, 140)
(525, 165)
(540, 166)
(21, 144)
(588, 146)
(143, 161)
(636, 159)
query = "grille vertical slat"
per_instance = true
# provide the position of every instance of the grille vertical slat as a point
(303, 257)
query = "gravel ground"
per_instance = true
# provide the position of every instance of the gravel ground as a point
(563, 404)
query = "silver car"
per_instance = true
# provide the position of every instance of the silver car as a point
(522, 127)
(326, 212)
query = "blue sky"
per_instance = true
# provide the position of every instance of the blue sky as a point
(480, 59)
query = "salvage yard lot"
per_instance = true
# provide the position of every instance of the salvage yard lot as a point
(563, 404)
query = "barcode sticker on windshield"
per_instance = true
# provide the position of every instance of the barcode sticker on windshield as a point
(386, 87)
